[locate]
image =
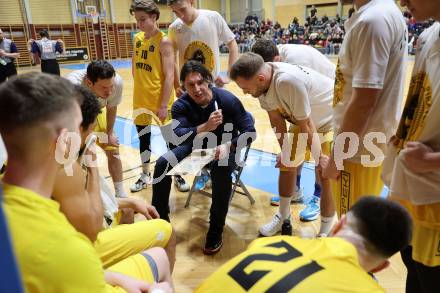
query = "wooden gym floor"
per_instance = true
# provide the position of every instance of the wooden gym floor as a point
(243, 219)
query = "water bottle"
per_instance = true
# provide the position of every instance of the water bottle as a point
(2, 61)
(286, 228)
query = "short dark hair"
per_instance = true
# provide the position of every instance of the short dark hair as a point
(147, 6)
(246, 66)
(44, 33)
(266, 49)
(89, 107)
(100, 69)
(385, 224)
(32, 98)
(172, 2)
(195, 66)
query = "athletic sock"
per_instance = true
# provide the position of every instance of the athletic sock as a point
(317, 191)
(284, 208)
(119, 189)
(326, 225)
(298, 181)
(146, 168)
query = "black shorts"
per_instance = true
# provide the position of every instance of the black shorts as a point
(7, 71)
(50, 66)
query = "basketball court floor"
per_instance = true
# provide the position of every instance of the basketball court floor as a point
(243, 219)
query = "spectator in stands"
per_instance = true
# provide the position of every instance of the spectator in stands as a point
(338, 19)
(45, 49)
(313, 11)
(351, 11)
(8, 54)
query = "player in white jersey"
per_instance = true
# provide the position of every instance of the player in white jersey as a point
(102, 79)
(197, 35)
(302, 97)
(412, 165)
(309, 57)
(367, 99)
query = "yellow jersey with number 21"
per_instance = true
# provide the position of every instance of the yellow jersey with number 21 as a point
(292, 264)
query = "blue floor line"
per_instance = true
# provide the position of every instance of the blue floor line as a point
(259, 173)
(117, 64)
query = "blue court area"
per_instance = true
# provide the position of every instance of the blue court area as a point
(259, 172)
(117, 64)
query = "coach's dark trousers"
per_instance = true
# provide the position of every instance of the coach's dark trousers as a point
(221, 186)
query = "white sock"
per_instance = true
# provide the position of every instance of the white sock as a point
(119, 189)
(146, 168)
(144, 176)
(284, 208)
(326, 225)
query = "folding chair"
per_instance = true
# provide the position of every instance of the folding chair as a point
(236, 181)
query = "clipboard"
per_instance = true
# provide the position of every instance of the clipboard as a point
(193, 163)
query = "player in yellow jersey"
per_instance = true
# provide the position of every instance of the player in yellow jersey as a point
(37, 112)
(84, 207)
(361, 243)
(412, 164)
(153, 93)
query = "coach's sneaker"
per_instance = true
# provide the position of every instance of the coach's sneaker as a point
(273, 227)
(180, 183)
(298, 198)
(311, 211)
(213, 245)
(141, 183)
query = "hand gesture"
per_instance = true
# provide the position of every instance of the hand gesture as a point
(215, 119)
(222, 151)
(113, 140)
(145, 209)
(179, 92)
(162, 113)
(328, 168)
(417, 157)
(220, 81)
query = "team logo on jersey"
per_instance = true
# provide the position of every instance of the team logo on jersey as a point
(418, 103)
(199, 51)
(339, 85)
(345, 192)
(138, 44)
(151, 49)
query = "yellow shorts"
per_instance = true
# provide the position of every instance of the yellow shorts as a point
(101, 127)
(122, 241)
(355, 181)
(136, 266)
(426, 232)
(325, 146)
(150, 118)
(426, 245)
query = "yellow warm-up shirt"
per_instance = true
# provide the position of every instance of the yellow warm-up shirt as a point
(148, 78)
(291, 264)
(52, 256)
